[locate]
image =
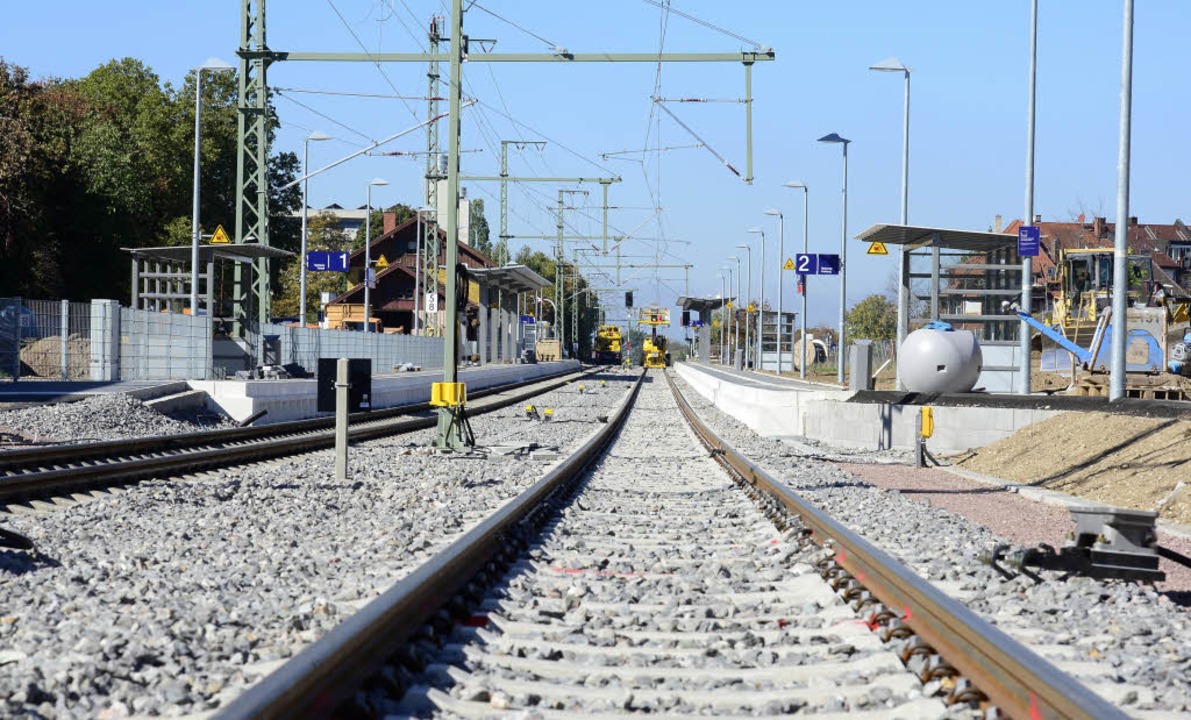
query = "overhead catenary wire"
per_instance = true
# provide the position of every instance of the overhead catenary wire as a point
(700, 21)
(379, 67)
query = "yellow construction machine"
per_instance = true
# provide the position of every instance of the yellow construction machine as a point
(654, 349)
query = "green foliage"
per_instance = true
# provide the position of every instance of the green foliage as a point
(322, 233)
(873, 318)
(480, 239)
(93, 165)
(377, 222)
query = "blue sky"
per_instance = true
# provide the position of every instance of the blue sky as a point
(968, 123)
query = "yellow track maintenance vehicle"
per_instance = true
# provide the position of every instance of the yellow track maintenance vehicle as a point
(607, 347)
(654, 349)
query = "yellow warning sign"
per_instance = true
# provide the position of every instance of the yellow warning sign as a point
(789, 264)
(382, 263)
(729, 303)
(220, 237)
(877, 248)
(752, 308)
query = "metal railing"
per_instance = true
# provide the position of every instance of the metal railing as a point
(48, 339)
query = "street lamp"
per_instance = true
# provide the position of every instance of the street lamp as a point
(315, 136)
(749, 293)
(799, 185)
(417, 323)
(781, 253)
(740, 275)
(903, 295)
(368, 254)
(723, 299)
(214, 65)
(731, 318)
(843, 257)
(760, 339)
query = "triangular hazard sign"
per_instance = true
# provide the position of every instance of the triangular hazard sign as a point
(220, 237)
(789, 264)
(877, 248)
(382, 263)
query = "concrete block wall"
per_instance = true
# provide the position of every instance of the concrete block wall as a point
(772, 410)
(164, 346)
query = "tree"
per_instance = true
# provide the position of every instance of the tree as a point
(322, 233)
(873, 318)
(480, 239)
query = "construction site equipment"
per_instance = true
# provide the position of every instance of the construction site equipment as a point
(548, 350)
(607, 347)
(1081, 324)
(349, 316)
(655, 353)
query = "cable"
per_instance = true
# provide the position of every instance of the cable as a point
(367, 52)
(341, 93)
(704, 23)
(549, 44)
(324, 116)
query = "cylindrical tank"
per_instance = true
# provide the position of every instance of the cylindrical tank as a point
(939, 359)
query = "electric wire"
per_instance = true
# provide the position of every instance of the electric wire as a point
(324, 116)
(704, 23)
(343, 93)
(550, 44)
(367, 52)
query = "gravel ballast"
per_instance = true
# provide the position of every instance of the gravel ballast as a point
(170, 597)
(1128, 642)
(111, 416)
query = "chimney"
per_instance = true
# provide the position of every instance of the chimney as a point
(1037, 219)
(1082, 218)
(1098, 227)
(997, 223)
(1132, 219)
(390, 222)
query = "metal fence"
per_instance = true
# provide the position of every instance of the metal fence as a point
(48, 339)
(284, 345)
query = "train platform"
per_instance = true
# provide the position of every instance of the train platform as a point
(866, 420)
(33, 392)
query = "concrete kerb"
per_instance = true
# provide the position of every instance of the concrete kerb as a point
(827, 416)
(297, 399)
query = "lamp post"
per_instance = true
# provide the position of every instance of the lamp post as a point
(315, 136)
(368, 254)
(903, 294)
(214, 65)
(748, 293)
(417, 323)
(781, 253)
(723, 312)
(760, 339)
(843, 258)
(731, 318)
(799, 185)
(1120, 267)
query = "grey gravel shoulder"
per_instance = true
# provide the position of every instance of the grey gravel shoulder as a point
(1133, 643)
(171, 597)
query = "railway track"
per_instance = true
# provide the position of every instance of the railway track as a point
(654, 584)
(32, 473)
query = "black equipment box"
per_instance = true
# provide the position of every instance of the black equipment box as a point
(359, 381)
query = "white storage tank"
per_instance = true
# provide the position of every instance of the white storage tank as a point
(940, 359)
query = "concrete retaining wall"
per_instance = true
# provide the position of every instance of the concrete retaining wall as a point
(297, 399)
(774, 409)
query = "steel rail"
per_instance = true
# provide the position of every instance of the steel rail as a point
(23, 458)
(214, 453)
(1013, 677)
(320, 677)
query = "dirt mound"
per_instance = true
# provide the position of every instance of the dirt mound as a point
(43, 357)
(1120, 460)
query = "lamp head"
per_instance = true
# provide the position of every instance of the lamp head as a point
(378, 181)
(797, 185)
(216, 65)
(756, 230)
(773, 211)
(834, 138)
(317, 136)
(890, 65)
(745, 247)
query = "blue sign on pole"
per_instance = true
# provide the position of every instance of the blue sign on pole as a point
(326, 261)
(806, 263)
(828, 264)
(1028, 240)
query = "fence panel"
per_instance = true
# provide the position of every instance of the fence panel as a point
(164, 346)
(10, 338)
(56, 339)
(287, 345)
